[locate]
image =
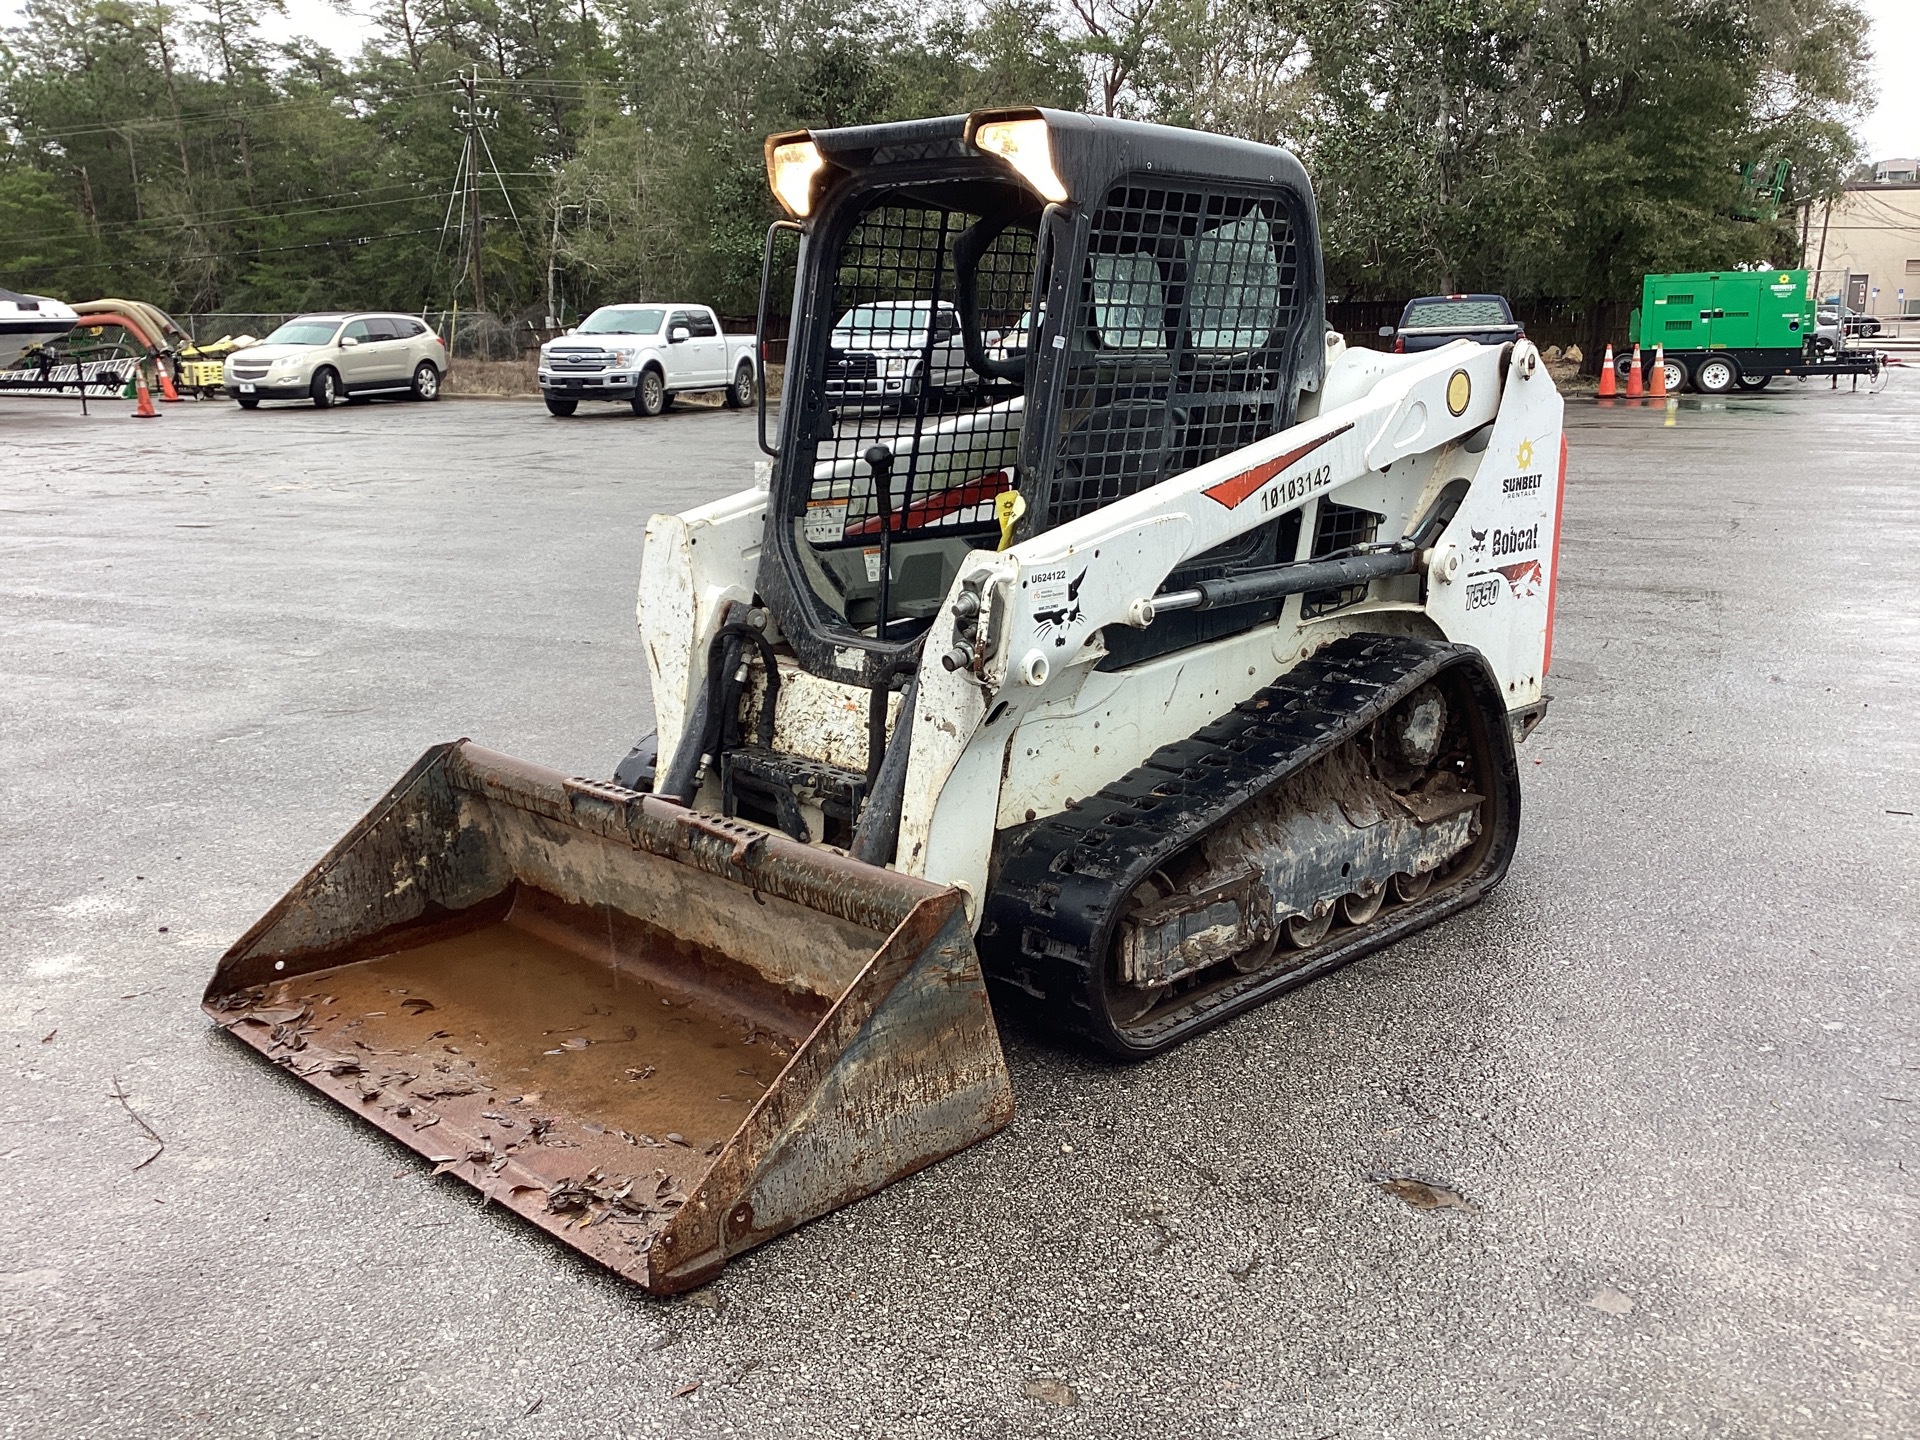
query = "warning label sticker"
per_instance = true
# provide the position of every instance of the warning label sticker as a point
(1050, 590)
(826, 521)
(873, 565)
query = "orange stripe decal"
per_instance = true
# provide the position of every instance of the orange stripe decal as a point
(1234, 491)
(1553, 577)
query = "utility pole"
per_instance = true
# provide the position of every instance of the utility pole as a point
(1820, 265)
(471, 84)
(86, 198)
(553, 288)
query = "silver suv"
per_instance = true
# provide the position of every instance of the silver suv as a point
(324, 358)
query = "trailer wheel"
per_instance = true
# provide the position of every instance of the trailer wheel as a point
(248, 402)
(1675, 372)
(1755, 382)
(1715, 375)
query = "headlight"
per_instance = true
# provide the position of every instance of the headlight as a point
(1024, 144)
(792, 163)
(897, 365)
(624, 357)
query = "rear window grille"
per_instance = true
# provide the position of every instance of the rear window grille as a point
(1339, 527)
(1178, 348)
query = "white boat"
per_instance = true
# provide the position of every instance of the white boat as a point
(29, 320)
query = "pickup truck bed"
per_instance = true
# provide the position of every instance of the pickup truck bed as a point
(1431, 321)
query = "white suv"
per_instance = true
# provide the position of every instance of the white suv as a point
(324, 358)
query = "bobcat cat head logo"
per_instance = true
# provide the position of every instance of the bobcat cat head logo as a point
(1479, 540)
(1063, 617)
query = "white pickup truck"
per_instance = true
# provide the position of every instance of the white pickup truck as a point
(882, 352)
(645, 355)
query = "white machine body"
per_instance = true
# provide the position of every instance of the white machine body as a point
(1034, 724)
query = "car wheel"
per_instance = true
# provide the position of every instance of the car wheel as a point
(1715, 375)
(1755, 382)
(562, 408)
(248, 402)
(325, 389)
(426, 381)
(651, 398)
(1675, 374)
(740, 393)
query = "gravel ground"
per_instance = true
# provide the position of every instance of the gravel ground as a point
(1669, 1066)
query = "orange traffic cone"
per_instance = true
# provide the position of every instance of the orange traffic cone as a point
(144, 410)
(1609, 376)
(1635, 387)
(167, 392)
(1658, 387)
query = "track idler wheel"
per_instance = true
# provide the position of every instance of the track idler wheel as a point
(1306, 931)
(1408, 888)
(1360, 908)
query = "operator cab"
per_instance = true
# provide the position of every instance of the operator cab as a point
(1017, 318)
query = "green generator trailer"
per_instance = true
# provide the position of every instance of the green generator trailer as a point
(1736, 329)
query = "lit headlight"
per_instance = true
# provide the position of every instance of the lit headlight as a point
(1024, 144)
(792, 163)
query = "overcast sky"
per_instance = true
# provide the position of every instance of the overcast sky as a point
(1893, 128)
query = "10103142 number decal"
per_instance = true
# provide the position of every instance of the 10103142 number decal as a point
(1482, 593)
(1294, 487)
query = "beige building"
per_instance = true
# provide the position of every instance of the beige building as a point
(1866, 246)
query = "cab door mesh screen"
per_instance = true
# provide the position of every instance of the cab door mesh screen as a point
(895, 372)
(1178, 352)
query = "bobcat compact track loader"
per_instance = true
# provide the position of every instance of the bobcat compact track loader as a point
(1102, 631)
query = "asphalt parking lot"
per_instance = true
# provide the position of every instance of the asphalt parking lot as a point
(1670, 1066)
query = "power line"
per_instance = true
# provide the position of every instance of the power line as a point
(139, 122)
(344, 242)
(110, 127)
(235, 216)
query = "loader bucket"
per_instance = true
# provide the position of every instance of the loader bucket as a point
(663, 1036)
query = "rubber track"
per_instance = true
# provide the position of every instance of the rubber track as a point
(1048, 919)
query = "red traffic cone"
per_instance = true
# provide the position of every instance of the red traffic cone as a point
(167, 392)
(144, 410)
(1658, 378)
(1609, 376)
(1635, 386)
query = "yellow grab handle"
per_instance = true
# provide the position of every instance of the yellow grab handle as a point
(1008, 507)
